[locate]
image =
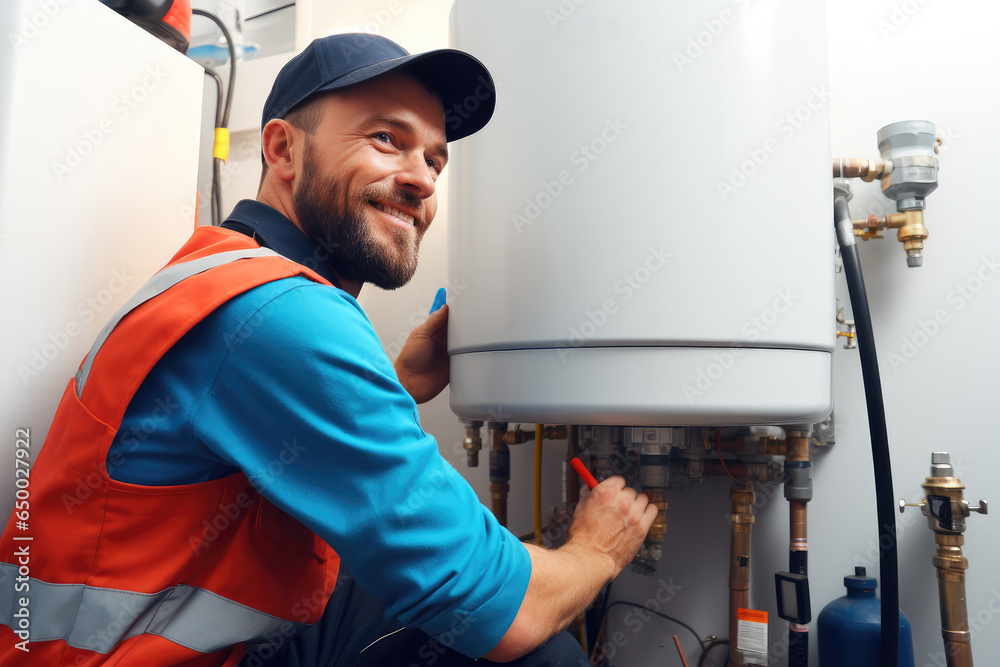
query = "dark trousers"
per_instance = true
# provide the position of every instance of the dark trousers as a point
(353, 633)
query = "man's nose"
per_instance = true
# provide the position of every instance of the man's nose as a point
(416, 176)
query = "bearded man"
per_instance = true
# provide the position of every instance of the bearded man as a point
(262, 491)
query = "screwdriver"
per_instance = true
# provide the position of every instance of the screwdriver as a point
(582, 471)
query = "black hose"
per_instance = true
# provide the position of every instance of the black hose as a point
(885, 505)
(216, 195)
(222, 110)
(232, 61)
(704, 653)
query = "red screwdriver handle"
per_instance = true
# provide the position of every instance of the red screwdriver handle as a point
(582, 471)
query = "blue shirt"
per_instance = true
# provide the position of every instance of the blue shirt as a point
(289, 384)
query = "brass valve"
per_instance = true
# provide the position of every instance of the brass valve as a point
(909, 226)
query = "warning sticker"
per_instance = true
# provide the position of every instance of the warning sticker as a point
(751, 633)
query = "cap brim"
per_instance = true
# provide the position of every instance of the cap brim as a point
(464, 85)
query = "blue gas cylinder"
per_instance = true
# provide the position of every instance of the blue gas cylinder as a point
(850, 627)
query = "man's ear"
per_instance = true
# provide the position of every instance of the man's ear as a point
(279, 142)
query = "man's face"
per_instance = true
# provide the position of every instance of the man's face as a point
(366, 193)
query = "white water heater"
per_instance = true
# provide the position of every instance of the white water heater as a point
(643, 233)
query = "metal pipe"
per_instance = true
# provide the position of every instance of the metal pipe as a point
(741, 521)
(946, 510)
(755, 471)
(798, 491)
(473, 442)
(499, 472)
(866, 170)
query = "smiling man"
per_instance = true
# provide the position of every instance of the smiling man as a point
(256, 486)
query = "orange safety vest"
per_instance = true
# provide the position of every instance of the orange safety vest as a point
(126, 574)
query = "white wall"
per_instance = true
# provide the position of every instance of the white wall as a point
(98, 155)
(889, 61)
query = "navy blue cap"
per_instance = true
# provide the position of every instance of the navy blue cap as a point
(463, 84)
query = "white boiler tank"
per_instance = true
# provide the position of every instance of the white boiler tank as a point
(643, 235)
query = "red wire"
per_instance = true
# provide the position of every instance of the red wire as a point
(680, 650)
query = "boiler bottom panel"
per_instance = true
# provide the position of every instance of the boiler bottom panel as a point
(643, 386)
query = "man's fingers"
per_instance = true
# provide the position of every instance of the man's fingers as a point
(615, 483)
(648, 516)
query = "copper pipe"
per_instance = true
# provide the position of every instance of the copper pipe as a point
(741, 521)
(499, 475)
(732, 444)
(658, 531)
(951, 566)
(798, 450)
(738, 469)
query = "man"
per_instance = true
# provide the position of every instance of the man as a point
(255, 475)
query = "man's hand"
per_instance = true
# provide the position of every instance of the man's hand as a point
(423, 365)
(607, 530)
(613, 521)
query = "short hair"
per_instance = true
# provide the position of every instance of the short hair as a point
(304, 116)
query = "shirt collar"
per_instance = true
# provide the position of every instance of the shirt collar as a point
(273, 230)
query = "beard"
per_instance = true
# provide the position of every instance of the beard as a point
(337, 223)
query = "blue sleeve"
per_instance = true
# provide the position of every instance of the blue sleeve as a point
(308, 393)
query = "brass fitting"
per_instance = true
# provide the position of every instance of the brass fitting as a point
(659, 528)
(946, 510)
(772, 447)
(909, 226)
(524, 435)
(473, 442)
(866, 170)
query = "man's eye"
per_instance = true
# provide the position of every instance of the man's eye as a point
(384, 137)
(432, 163)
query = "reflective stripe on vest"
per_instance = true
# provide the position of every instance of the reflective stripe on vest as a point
(85, 616)
(158, 284)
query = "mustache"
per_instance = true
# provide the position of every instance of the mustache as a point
(390, 196)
